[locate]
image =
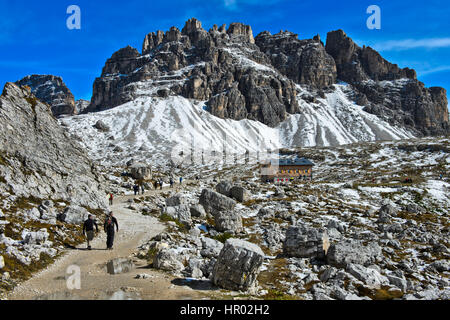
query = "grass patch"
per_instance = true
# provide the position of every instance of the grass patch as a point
(380, 294)
(223, 237)
(275, 295)
(22, 272)
(166, 218)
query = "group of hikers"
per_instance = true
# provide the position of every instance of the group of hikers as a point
(157, 184)
(138, 187)
(110, 226)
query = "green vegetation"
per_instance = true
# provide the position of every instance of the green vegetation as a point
(384, 293)
(274, 294)
(166, 218)
(223, 237)
(22, 272)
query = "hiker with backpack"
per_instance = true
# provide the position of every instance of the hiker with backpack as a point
(110, 222)
(88, 230)
(111, 199)
(136, 189)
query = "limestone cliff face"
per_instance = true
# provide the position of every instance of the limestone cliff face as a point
(240, 76)
(53, 91)
(388, 91)
(224, 67)
(38, 158)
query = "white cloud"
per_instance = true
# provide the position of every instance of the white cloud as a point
(233, 4)
(229, 3)
(400, 45)
(433, 70)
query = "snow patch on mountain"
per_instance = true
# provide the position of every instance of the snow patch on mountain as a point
(154, 128)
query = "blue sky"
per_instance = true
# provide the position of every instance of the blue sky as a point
(34, 38)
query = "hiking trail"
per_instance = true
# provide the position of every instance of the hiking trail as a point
(96, 283)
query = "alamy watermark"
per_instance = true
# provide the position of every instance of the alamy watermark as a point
(73, 278)
(192, 147)
(374, 21)
(74, 20)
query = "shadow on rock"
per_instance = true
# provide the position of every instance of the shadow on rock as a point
(195, 284)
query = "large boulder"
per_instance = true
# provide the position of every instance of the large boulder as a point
(388, 209)
(120, 265)
(238, 265)
(74, 215)
(167, 260)
(47, 211)
(214, 202)
(140, 171)
(369, 276)
(224, 187)
(400, 283)
(101, 126)
(198, 211)
(2, 262)
(39, 237)
(176, 200)
(240, 193)
(181, 213)
(353, 251)
(228, 221)
(305, 242)
(211, 248)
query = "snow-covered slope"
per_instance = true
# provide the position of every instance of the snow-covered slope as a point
(154, 128)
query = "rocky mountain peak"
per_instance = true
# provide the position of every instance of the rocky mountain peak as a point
(260, 78)
(51, 90)
(192, 25)
(358, 64)
(240, 29)
(386, 90)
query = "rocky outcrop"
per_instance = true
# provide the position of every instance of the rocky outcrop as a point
(240, 193)
(53, 91)
(198, 211)
(355, 64)
(238, 265)
(237, 192)
(302, 61)
(388, 91)
(244, 77)
(223, 67)
(39, 159)
(211, 248)
(167, 260)
(176, 200)
(81, 105)
(119, 266)
(242, 31)
(228, 221)
(181, 213)
(140, 171)
(345, 252)
(305, 242)
(214, 202)
(74, 215)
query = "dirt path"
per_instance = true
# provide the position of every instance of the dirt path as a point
(96, 283)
